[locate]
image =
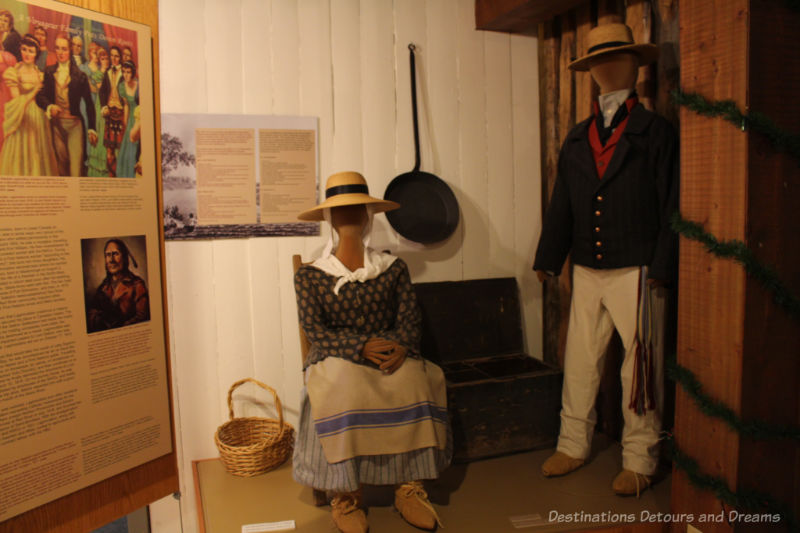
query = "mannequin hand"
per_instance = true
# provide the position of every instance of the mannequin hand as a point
(541, 275)
(388, 355)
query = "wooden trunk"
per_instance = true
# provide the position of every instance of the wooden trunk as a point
(500, 399)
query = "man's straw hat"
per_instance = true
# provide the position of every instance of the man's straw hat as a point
(347, 188)
(610, 38)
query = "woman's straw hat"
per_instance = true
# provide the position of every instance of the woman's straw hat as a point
(614, 37)
(347, 188)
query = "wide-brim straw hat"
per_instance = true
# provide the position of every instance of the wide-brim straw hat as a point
(610, 38)
(347, 188)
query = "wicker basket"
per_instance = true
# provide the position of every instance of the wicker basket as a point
(250, 446)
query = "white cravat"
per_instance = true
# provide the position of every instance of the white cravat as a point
(610, 102)
(62, 72)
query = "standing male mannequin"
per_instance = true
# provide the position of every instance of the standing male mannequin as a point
(616, 189)
(65, 87)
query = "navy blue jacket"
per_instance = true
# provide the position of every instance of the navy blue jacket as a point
(623, 219)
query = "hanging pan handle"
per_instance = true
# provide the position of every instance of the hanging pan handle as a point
(411, 49)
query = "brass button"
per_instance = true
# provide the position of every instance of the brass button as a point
(599, 198)
(598, 244)
(597, 213)
(597, 229)
(599, 257)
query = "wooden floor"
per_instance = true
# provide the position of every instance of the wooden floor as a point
(501, 495)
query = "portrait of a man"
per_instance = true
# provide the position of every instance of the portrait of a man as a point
(121, 298)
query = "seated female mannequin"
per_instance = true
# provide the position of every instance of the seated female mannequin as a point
(374, 412)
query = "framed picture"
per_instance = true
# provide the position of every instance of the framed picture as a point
(84, 391)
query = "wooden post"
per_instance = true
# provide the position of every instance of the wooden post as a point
(639, 17)
(741, 346)
(667, 68)
(585, 88)
(549, 82)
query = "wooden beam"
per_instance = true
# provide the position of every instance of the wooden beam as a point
(639, 17)
(711, 306)
(519, 16)
(585, 88)
(549, 47)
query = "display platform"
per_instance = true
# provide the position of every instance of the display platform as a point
(501, 495)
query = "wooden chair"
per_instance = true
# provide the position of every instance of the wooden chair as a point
(297, 262)
(320, 497)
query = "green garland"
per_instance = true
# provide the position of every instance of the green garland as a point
(727, 109)
(755, 429)
(740, 253)
(743, 499)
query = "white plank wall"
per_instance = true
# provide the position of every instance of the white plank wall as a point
(232, 308)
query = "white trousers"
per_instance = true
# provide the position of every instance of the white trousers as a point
(601, 301)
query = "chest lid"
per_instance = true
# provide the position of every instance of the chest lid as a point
(464, 320)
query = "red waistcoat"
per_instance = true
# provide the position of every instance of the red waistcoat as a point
(602, 154)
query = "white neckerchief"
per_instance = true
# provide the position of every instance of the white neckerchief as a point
(375, 263)
(62, 73)
(610, 102)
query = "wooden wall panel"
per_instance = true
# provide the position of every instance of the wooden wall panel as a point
(345, 51)
(378, 100)
(256, 49)
(223, 57)
(232, 283)
(501, 155)
(473, 196)
(527, 189)
(437, 93)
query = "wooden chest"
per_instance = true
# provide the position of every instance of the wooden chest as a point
(500, 399)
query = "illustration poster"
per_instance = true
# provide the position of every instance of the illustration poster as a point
(229, 176)
(83, 378)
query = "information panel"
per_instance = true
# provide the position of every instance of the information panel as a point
(83, 378)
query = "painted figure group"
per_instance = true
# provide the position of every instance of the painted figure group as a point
(63, 115)
(375, 412)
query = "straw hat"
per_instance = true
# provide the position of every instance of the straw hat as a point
(614, 37)
(347, 188)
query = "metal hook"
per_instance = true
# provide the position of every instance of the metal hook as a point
(411, 47)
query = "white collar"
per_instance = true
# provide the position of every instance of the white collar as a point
(610, 102)
(375, 263)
